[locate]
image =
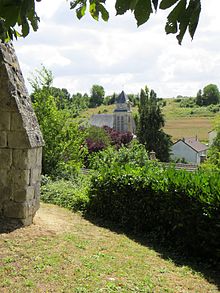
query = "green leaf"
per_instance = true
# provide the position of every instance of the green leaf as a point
(25, 27)
(133, 4)
(73, 4)
(80, 11)
(104, 12)
(174, 16)
(142, 11)
(164, 4)
(155, 3)
(94, 11)
(194, 19)
(122, 6)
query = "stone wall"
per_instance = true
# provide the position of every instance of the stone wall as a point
(20, 144)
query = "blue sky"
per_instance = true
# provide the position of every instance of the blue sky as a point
(118, 55)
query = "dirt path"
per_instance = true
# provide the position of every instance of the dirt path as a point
(49, 220)
(52, 220)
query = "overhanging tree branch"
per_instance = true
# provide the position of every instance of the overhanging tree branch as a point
(17, 17)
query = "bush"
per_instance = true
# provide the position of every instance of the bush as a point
(133, 155)
(72, 195)
(188, 103)
(182, 208)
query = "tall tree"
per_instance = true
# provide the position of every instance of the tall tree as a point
(150, 121)
(97, 95)
(209, 96)
(183, 14)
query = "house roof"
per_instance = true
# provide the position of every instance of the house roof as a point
(194, 144)
(122, 98)
(100, 120)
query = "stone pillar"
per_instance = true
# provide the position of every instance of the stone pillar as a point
(20, 144)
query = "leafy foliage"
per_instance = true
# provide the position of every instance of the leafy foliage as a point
(209, 96)
(213, 161)
(97, 95)
(72, 195)
(179, 207)
(184, 14)
(133, 155)
(99, 138)
(96, 139)
(19, 12)
(118, 138)
(63, 151)
(150, 121)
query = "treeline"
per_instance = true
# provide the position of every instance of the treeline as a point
(77, 101)
(208, 97)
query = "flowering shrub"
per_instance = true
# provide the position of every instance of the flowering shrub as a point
(100, 138)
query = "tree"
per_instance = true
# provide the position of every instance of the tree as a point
(97, 95)
(63, 153)
(213, 160)
(199, 98)
(183, 15)
(209, 96)
(150, 121)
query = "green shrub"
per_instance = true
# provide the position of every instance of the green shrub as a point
(180, 207)
(135, 154)
(72, 195)
(187, 103)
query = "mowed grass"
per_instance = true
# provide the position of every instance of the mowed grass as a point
(77, 256)
(188, 127)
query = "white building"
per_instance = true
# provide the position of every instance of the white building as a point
(190, 149)
(121, 119)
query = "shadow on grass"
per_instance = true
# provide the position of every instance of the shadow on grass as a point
(209, 269)
(7, 226)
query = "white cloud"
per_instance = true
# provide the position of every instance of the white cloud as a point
(118, 55)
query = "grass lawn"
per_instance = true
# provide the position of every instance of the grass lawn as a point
(62, 252)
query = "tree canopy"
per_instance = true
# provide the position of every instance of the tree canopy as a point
(183, 14)
(150, 121)
(210, 95)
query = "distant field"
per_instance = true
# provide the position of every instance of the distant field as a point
(188, 127)
(180, 122)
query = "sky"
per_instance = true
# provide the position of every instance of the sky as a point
(118, 55)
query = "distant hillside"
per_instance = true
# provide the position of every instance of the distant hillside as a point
(180, 121)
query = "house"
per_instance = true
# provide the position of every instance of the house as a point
(190, 149)
(121, 119)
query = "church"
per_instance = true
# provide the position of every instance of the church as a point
(121, 119)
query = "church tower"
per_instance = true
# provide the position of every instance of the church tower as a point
(122, 117)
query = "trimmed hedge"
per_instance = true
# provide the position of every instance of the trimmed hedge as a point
(179, 206)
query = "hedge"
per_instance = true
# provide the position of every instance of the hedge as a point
(180, 207)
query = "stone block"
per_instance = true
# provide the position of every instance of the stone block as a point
(16, 122)
(3, 139)
(35, 176)
(25, 194)
(16, 210)
(24, 158)
(5, 119)
(37, 190)
(18, 140)
(20, 178)
(39, 157)
(5, 178)
(7, 102)
(5, 158)
(5, 193)
(27, 221)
